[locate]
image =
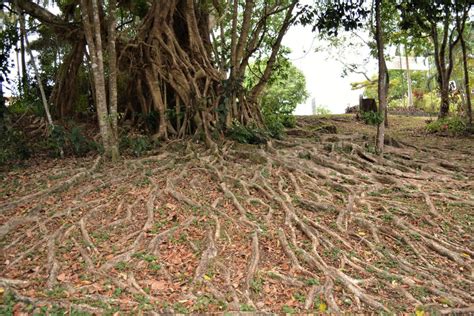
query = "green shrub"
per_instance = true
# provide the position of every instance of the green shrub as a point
(288, 121)
(135, 144)
(57, 140)
(69, 141)
(79, 143)
(247, 134)
(372, 118)
(275, 127)
(451, 125)
(13, 146)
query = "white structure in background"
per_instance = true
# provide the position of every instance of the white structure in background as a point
(313, 106)
(414, 63)
(408, 64)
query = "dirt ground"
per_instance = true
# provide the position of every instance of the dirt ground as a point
(314, 222)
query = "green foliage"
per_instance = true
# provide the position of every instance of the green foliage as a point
(372, 118)
(9, 35)
(286, 89)
(288, 310)
(29, 103)
(451, 125)
(135, 144)
(332, 16)
(13, 146)
(7, 303)
(247, 134)
(69, 141)
(321, 110)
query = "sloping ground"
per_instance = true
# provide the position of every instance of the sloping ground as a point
(314, 222)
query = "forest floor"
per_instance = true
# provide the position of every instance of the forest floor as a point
(311, 223)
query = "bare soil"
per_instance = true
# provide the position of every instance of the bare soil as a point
(311, 223)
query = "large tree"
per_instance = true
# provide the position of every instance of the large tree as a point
(180, 62)
(438, 19)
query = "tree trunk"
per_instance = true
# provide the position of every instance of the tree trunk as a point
(443, 55)
(65, 92)
(460, 24)
(382, 80)
(112, 57)
(3, 107)
(24, 73)
(444, 106)
(92, 31)
(169, 65)
(38, 78)
(409, 84)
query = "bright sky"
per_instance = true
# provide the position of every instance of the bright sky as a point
(323, 74)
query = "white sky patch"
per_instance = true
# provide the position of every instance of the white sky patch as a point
(324, 80)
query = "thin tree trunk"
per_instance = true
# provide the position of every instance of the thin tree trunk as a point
(444, 94)
(40, 84)
(3, 107)
(113, 77)
(460, 26)
(409, 84)
(24, 73)
(382, 80)
(258, 89)
(92, 31)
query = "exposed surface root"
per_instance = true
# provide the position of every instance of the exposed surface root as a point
(311, 224)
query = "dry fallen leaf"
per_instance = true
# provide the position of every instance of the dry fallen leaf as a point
(170, 206)
(157, 285)
(61, 277)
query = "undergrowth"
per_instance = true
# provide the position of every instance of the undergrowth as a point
(248, 134)
(451, 125)
(372, 118)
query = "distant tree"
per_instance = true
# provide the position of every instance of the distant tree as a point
(383, 76)
(437, 19)
(332, 16)
(9, 37)
(286, 89)
(463, 28)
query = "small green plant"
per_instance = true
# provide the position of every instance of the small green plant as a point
(312, 281)
(247, 134)
(121, 266)
(13, 146)
(246, 308)
(299, 297)
(79, 143)
(288, 310)
(154, 267)
(256, 285)
(372, 118)
(451, 125)
(180, 308)
(136, 145)
(56, 292)
(117, 292)
(7, 303)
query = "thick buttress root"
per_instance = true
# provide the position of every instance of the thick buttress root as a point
(307, 225)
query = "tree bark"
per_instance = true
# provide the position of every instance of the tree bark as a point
(38, 77)
(409, 84)
(382, 80)
(92, 31)
(112, 57)
(65, 91)
(443, 54)
(460, 25)
(24, 73)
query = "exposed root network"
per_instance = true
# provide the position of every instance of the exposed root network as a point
(310, 223)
